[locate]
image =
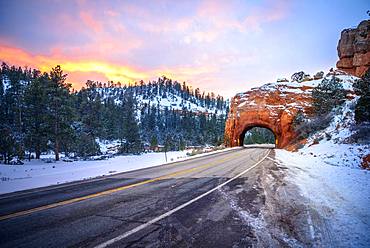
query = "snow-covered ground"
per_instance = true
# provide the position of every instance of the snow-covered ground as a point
(340, 194)
(37, 173)
(332, 148)
(327, 172)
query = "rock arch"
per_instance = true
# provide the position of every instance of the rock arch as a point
(273, 106)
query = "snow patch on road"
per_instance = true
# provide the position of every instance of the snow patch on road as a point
(257, 223)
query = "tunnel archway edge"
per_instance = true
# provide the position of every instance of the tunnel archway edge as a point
(248, 126)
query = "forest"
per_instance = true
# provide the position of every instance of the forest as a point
(40, 112)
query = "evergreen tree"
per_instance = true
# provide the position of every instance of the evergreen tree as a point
(259, 135)
(36, 103)
(13, 106)
(362, 89)
(130, 127)
(327, 95)
(60, 111)
(37, 110)
(153, 141)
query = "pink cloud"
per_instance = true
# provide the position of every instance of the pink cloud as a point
(275, 11)
(111, 13)
(91, 22)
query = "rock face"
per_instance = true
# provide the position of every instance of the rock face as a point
(365, 164)
(354, 49)
(273, 106)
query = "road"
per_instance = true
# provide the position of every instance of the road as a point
(222, 200)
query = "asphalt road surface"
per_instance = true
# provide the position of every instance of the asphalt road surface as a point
(227, 199)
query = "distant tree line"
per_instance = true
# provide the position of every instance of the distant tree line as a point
(40, 112)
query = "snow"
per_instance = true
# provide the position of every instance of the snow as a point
(173, 102)
(296, 87)
(332, 148)
(242, 104)
(328, 174)
(340, 194)
(37, 173)
(170, 101)
(108, 146)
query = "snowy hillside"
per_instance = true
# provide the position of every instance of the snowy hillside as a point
(332, 145)
(165, 110)
(327, 172)
(166, 94)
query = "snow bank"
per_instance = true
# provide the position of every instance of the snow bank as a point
(37, 173)
(327, 171)
(331, 148)
(340, 194)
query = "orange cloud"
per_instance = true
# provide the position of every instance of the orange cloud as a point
(82, 69)
(115, 72)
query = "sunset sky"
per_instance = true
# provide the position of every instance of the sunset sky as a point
(221, 46)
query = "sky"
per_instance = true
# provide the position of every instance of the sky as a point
(221, 46)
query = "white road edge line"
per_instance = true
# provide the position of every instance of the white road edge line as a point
(136, 229)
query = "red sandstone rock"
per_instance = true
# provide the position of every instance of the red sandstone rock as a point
(270, 107)
(345, 63)
(275, 106)
(366, 162)
(354, 49)
(361, 70)
(361, 59)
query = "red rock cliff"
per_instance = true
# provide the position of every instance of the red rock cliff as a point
(354, 49)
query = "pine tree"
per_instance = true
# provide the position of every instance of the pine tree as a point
(60, 111)
(36, 103)
(154, 141)
(362, 89)
(13, 105)
(90, 128)
(130, 127)
(328, 94)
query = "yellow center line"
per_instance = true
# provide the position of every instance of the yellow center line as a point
(107, 192)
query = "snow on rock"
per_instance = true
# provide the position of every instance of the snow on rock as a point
(275, 105)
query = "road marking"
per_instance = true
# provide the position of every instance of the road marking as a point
(53, 187)
(107, 192)
(138, 228)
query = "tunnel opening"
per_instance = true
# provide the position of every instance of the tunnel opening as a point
(258, 136)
